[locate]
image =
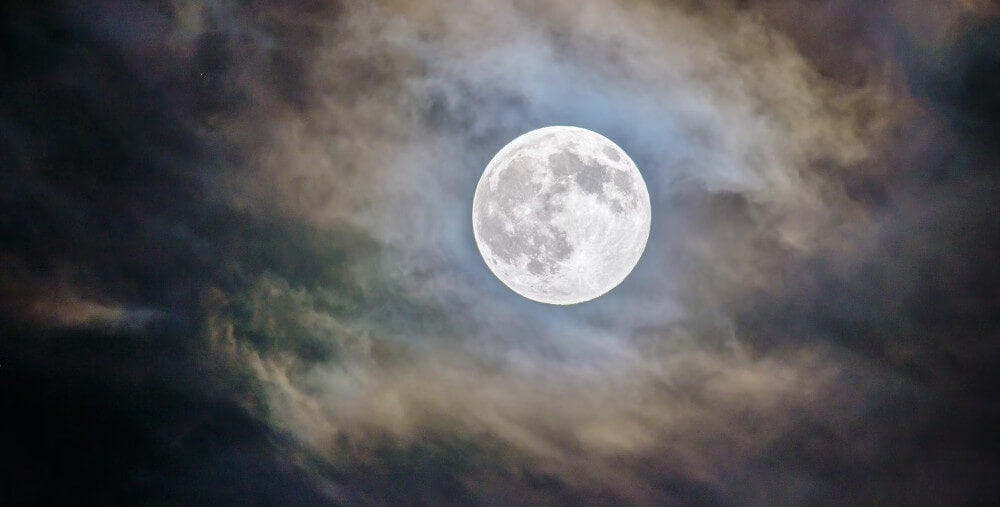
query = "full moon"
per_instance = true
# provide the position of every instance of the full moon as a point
(561, 215)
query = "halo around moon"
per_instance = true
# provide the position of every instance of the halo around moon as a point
(561, 215)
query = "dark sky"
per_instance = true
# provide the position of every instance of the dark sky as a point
(237, 263)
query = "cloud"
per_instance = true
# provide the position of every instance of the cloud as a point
(746, 146)
(292, 187)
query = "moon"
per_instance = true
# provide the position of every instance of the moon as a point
(561, 215)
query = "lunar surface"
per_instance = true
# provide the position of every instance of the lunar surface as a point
(561, 215)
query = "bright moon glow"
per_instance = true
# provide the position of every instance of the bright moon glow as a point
(561, 215)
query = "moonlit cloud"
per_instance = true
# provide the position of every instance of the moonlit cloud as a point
(256, 219)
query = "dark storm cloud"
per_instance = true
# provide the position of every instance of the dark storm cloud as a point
(236, 248)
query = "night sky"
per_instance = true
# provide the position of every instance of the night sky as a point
(237, 263)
